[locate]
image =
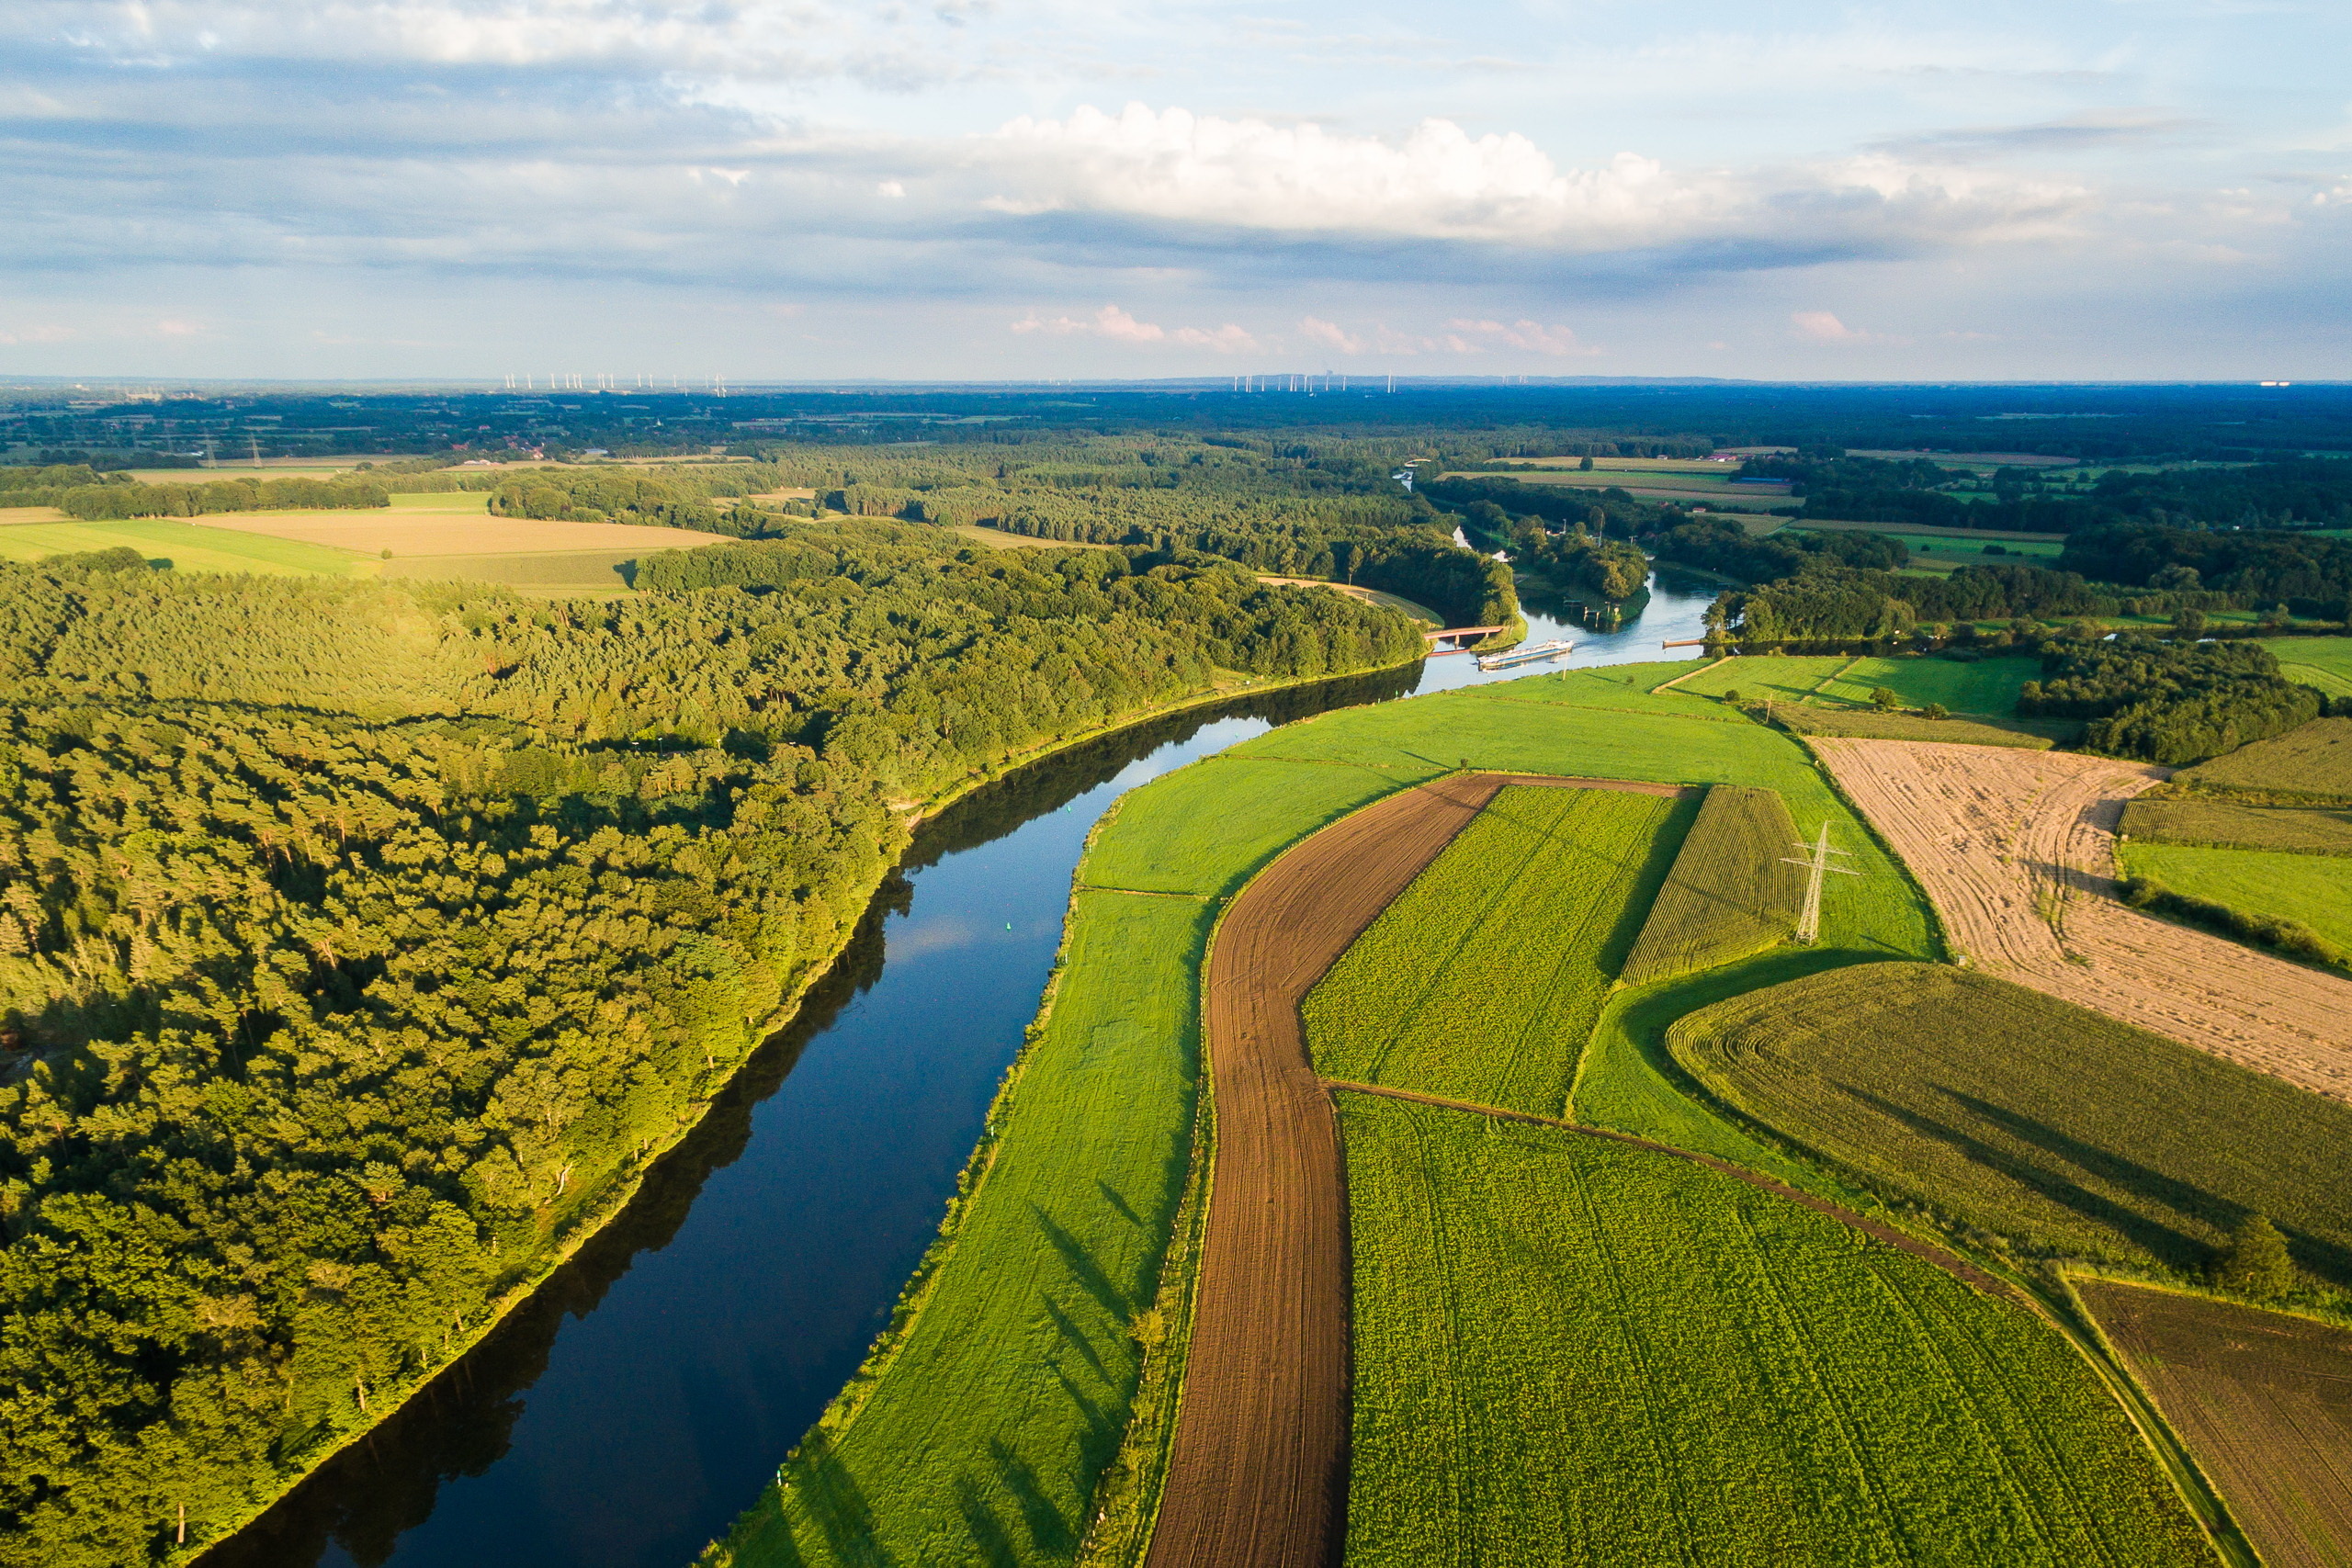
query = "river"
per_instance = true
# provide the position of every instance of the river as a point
(642, 1398)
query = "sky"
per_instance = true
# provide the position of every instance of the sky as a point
(792, 190)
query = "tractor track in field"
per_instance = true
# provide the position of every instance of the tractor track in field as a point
(2016, 849)
(1258, 1469)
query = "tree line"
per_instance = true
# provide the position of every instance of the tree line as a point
(361, 942)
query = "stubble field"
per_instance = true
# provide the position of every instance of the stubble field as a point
(2016, 849)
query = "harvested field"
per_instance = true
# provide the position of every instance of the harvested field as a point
(1481, 981)
(2020, 1114)
(1573, 1352)
(1732, 891)
(2220, 825)
(2016, 850)
(457, 525)
(1256, 1473)
(2264, 1401)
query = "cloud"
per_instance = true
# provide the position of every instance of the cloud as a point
(1532, 336)
(1119, 326)
(1438, 181)
(1822, 326)
(1331, 335)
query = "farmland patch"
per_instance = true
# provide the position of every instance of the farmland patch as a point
(1732, 890)
(2312, 760)
(1483, 977)
(2264, 1401)
(189, 546)
(2314, 891)
(2016, 1113)
(1568, 1351)
(2221, 824)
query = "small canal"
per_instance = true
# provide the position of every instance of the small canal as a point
(626, 1415)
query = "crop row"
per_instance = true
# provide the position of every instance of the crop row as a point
(2220, 825)
(1481, 981)
(1567, 1351)
(1732, 891)
(2012, 1111)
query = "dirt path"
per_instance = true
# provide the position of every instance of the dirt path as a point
(1256, 1473)
(1958, 1268)
(2016, 849)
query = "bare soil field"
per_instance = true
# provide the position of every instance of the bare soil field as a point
(415, 531)
(31, 515)
(1257, 1472)
(2264, 1401)
(2016, 849)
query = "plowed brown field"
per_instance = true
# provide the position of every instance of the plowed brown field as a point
(2016, 849)
(1256, 1473)
(2264, 1401)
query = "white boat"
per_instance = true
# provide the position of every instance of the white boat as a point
(1556, 649)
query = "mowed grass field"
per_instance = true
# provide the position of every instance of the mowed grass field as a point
(1623, 733)
(189, 546)
(2315, 890)
(2020, 1114)
(2321, 661)
(984, 1438)
(2221, 825)
(1481, 981)
(2264, 1401)
(1730, 892)
(2313, 759)
(1986, 688)
(1572, 1352)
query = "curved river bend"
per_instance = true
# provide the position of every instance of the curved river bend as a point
(632, 1408)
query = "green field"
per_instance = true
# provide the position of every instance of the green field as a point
(189, 546)
(2313, 890)
(1672, 739)
(1483, 977)
(1571, 1352)
(2321, 661)
(2019, 1114)
(1208, 827)
(2220, 825)
(1985, 688)
(2311, 760)
(1867, 724)
(1730, 893)
(584, 571)
(991, 1423)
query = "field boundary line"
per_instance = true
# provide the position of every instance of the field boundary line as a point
(1951, 1263)
(1145, 893)
(1638, 712)
(1837, 674)
(1669, 685)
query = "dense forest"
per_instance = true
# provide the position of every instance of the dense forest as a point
(2309, 573)
(2173, 703)
(362, 941)
(2305, 492)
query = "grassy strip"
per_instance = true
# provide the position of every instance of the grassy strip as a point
(2294, 905)
(987, 1419)
(1572, 1352)
(1732, 890)
(1461, 989)
(1127, 1501)
(2032, 1127)
(1867, 724)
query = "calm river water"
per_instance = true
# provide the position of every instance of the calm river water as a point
(624, 1416)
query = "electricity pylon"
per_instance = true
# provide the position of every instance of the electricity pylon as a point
(1815, 861)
